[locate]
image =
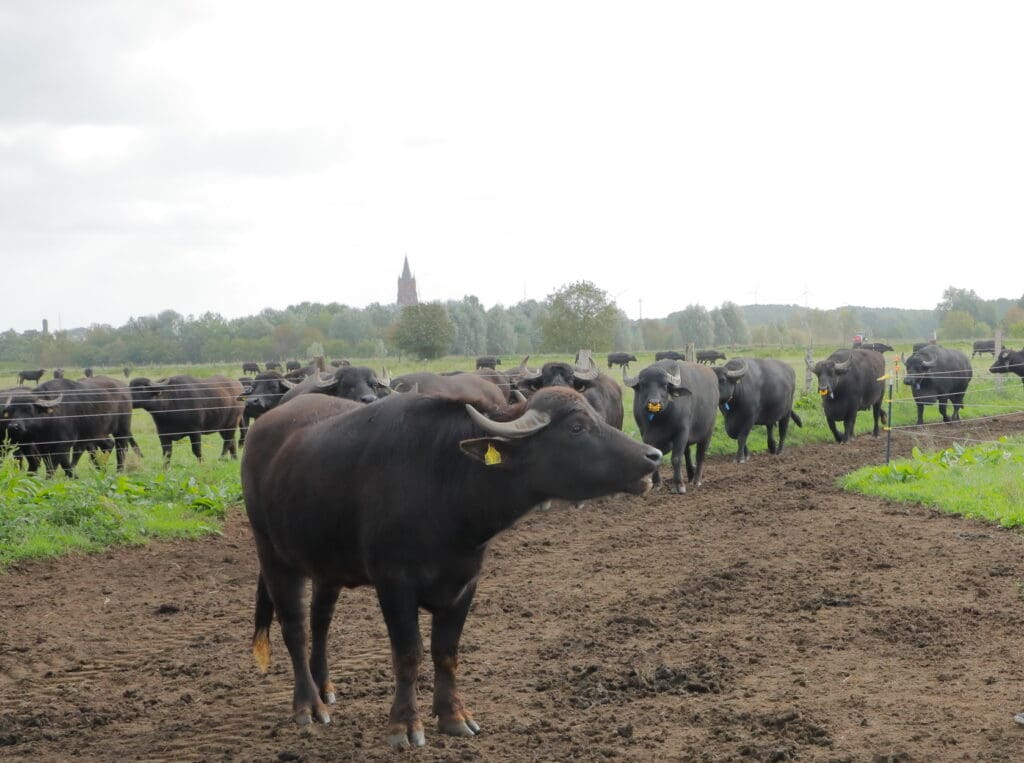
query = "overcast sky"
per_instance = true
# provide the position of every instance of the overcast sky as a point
(232, 156)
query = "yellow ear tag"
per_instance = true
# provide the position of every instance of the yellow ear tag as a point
(492, 456)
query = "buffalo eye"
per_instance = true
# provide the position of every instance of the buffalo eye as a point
(576, 427)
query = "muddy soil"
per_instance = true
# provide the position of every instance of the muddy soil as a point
(767, 616)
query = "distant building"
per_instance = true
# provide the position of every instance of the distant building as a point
(407, 287)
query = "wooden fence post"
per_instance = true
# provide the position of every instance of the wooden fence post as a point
(808, 364)
(691, 352)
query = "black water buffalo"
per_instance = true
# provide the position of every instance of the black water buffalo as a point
(850, 381)
(324, 504)
(488, 361)
(600, 390)
(58, 373)
(126, 371)
(938, 375)
(87, 373)
(709, 357)
(26, 453)
(261, 393)
(273, 365)
(61, 419)
(622, 359)
(918, 345)
(669, 355)
(482, 393)
(876, 346)
(1009, 361)
(982, 346)
(755, 391)
(251, 368)
(184, 406)
(357, 383)
(24, 376)
(341, 362)
(674, 405)
(292, 365)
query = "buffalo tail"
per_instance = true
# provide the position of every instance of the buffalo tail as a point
(796, 419)
(261, 635)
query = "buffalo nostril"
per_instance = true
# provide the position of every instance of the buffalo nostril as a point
(367, 398)
(653, 455)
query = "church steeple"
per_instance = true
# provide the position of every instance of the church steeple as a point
(407, 287)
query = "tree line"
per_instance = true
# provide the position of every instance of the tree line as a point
(578, 315)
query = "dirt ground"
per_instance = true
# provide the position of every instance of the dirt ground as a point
(768, 616)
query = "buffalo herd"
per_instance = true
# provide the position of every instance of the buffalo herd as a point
(475, 451)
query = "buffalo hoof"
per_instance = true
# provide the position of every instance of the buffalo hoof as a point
(402, 736)
(457, 727)
(679, 489)
(305, 717)
(330, 698)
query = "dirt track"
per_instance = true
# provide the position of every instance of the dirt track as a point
(768, 616)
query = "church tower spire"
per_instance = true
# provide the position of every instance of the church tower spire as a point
(407, 287)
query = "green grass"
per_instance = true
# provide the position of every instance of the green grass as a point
(46, 517)
(978, 482)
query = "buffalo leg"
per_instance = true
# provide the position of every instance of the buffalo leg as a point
(835, 431)
(320, 613)
(165, 447)
(783, 429)
(446, 630)
(943, 412)
(920, 413)
(698, 474)
(880, 417)
(286, 588)
(228, 448)
(848, 428)
(742, 453)
(958, 403)
(399, 606)
(197, 445)
(678, 453)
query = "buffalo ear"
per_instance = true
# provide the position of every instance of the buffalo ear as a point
(490, 451)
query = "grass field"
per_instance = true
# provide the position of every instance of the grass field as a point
(42, 517)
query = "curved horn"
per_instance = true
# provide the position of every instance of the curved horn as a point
(160, 382)
(519, 396)
(530, 422)
(288, 384)
(842, 366)
(586, 374)
(928, 363)
(629, 381)
(525, 372)
(327, 381)
(677, 379)
(736, 373)
(385, 377)
(404, 388)
(44, 402)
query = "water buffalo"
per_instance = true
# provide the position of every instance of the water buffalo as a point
(622, 359)
(488, 361)
(357, 383)
(339, 362)
(1009, 361)
(261, 393)
(58, 373)
(61, 419)
(87, 372)
(600, 390)
(482, 393)
(251, 368)
(126, 371)
(292, 365)
(24, 376)
(918, 345)
(876, 346)
(184, 406)
(938, 375)
(709, 357)
(669, 355)
(324, 504)
(272, 365)
(982, 346)
(755, 391)
(674, 405)
(850, 381)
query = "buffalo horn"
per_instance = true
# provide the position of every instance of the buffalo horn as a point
(160, 382)
(530, 422)
(525, 373)
(629, 381)
(384, 378)
(519, 396)
(842, 366)
(928, 363)
(677, 379)
(327, 381)
(288, 384)
(44, 402)
(732, 374)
